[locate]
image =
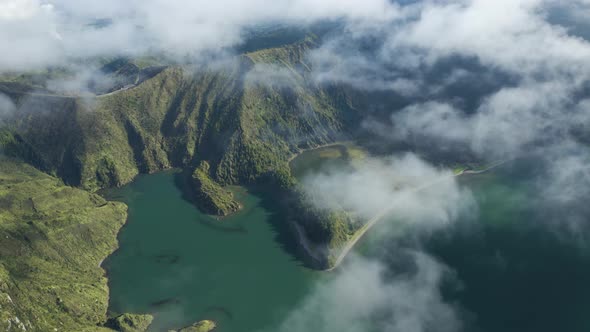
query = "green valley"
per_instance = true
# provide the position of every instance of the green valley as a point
(226, 126)
(293, 166)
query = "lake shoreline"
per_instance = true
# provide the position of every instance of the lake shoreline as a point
(213, 267)
(295, 155)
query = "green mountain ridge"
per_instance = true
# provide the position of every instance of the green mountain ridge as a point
(244, 128)
(53, 240)
(244, 121)
(179, 118)
(210, 197)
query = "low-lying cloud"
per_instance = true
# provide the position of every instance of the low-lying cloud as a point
(371, 294)
(365, 297)
(506, 124)
(40, 33)
(7, 107)
(272, 76)
(531, 71)
(407, 187)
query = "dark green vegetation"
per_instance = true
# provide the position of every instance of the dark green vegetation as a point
(53, 237)
(210, 197)
(243, 128)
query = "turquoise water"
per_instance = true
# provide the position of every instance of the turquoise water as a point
(184, 266)
(520, 269)
(515, 268)
(512, 270)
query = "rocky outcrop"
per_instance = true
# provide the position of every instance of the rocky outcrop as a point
(130, 323)
(202, 326)
(210, 197)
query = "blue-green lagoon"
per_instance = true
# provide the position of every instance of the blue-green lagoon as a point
(513, 272)
(184, 266)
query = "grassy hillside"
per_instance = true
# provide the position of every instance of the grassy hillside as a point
(210, 197)
(245, 119)
(53, 239)
(230, 117)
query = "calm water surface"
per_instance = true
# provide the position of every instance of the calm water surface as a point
(185, 266)
(519, 267)
(515, 267)
(512, 274)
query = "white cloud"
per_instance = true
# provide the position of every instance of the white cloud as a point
(7, 107)
(44, 33)
(512, 35)
(272, 75)
(563, 188)
(20, 9)
(381, 46)
(432, 119)
(28, 35)
(508, 123)
(412, 190)
(361, 299)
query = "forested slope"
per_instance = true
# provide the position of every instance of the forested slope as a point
(245, 118)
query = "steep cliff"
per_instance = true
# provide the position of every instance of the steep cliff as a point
(245, 118)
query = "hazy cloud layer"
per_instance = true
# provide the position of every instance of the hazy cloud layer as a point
(272, 76)
(45, 32)
(562, 191)
(536, 66)
(7, 107)
(406, 36)
(413, 190)
(363, 299)
(508, 123)
(536, 104)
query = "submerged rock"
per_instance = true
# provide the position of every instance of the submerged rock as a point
(202, 326)
(130, 323)
(210, 197)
